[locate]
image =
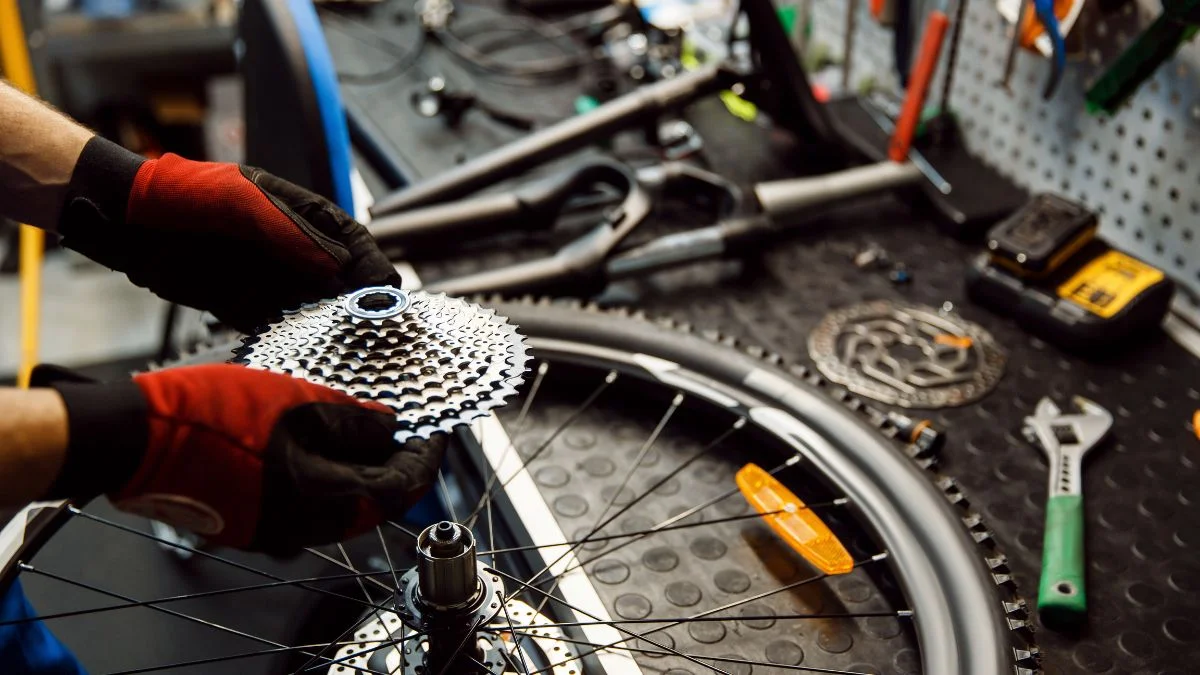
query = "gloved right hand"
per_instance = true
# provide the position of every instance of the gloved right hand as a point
(247, 458)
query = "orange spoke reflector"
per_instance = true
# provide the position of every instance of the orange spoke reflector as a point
(1196, 423)
(797, 524)
(961, 342)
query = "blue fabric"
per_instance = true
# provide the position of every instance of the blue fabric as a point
(329, 99)
(30, 648)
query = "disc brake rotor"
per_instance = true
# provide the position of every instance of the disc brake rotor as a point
(437, 361)
(906, 355)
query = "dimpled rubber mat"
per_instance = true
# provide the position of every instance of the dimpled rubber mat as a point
(688, 571)
(1141, 487)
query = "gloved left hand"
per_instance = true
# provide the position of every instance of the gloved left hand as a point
(230, 239)
(247, 458)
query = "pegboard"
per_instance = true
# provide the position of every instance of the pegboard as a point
(1140, 169)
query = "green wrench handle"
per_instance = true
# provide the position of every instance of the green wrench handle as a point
(1062, 602)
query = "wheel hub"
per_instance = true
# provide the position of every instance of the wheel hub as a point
(450, 596)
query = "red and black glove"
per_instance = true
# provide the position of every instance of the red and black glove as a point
(233, 240)
(247, 458)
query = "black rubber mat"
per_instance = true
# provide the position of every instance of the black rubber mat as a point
(1142, 488)
(590, 475)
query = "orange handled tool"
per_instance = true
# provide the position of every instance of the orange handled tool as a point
(918, 85)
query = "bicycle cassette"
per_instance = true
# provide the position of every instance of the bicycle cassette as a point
(911, 356)
(437, 361)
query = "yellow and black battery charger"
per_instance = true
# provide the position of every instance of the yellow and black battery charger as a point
(1046, 267)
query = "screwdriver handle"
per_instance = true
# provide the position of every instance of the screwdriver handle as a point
(918, 85)
(1062, 602)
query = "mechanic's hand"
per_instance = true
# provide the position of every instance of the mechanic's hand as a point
(247, 458)
(233, 240)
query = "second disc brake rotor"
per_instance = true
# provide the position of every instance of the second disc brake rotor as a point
(906, 355)
(437, 361)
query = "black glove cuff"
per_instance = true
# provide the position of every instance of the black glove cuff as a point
(108, 430)
(102, 180)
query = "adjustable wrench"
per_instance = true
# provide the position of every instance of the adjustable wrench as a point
(1065, 438)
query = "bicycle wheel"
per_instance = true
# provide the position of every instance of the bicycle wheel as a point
(605, 534)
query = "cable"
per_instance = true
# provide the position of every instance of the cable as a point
(568, 63)
(406, 56)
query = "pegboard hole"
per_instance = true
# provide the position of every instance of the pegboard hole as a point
(1133, 169)
(1120, 130)
(1070, 159)
(1166, 222)
(1139, 235)
(1161, 154)
(1120, 221)
(1159, 248)
(1152, 181)
(1180, 262)
(1088, 173)
(1147, 114)
(1173, 193)
(1176, 99)
(1168, 125)
(1113, 157)
(1187, 235)
(1125, 196)
(1065, 185)
(1139, 142)
(1181, 166)
(1194, 206)
(1146, 208)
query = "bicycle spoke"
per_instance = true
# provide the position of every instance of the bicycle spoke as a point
(522, 416)
(489, 493)
(446, 495)
(330, 559)
(189, 596)
(73, 510)
(632, 635)
(720, 659)
(759, 596)
(516, 640)
(636, 464)
(387, 556)
(491, 531)
(470, 635)
(180, 615)
(672, 528)
(384, 644)
(791, 461)
(354, 625)
(221, 659)
(403, 529)
(898, 614)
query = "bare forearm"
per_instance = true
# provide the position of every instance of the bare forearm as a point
(33, 442)
(38, 150)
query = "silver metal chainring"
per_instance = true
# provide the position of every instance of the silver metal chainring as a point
(437, 361)
(906, 355)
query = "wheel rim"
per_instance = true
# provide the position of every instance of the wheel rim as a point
(957, 623)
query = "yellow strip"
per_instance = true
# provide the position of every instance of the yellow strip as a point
(1105, 285)
(14, 59)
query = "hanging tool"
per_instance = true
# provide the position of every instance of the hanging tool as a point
(1010, 59)
(1178, 23)
(1065, 438)
(1058, 58)
(793, 521)
(848, 43)
(918, 87)
(960, 16)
